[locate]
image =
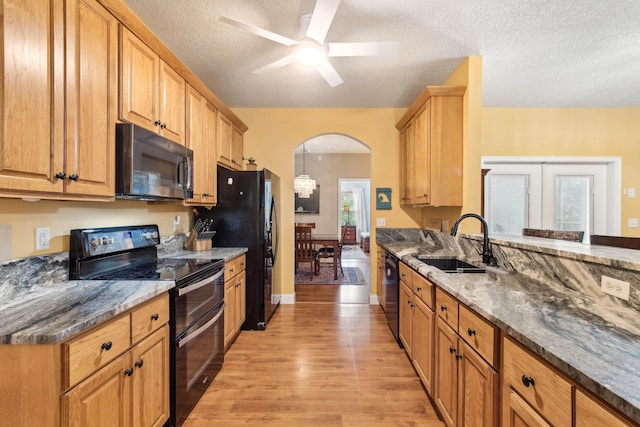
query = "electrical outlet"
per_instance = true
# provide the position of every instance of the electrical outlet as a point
(176, 223)
(633, 222)
(615, 287)
(631, 193)
(43, 237)
(380, 222)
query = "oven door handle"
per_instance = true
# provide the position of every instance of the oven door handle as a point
(197, 285)
(183, 341)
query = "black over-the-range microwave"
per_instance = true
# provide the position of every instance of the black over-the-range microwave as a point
(151, 167)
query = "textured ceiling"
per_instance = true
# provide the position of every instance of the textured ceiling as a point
(535, 53)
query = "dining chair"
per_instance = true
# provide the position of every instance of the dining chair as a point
(304, 248)
(330, 252)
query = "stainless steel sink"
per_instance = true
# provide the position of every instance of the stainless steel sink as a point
(452, 265)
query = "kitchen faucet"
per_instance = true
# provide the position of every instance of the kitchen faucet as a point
(487, 255)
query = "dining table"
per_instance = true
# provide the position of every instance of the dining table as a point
(327, 240)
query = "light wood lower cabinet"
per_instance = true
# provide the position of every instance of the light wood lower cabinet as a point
(380, 279)
(235, 295)
(115, 374)
(589, 413)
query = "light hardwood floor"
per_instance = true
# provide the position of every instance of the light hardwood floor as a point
(324, 361)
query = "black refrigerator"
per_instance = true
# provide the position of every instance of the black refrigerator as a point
(246, 216)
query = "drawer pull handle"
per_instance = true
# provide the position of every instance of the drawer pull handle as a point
(107, 345)
(443, 308)
(452, 349)
(527, 381)
(128, 372)
(155, 316)
(139, 363)
(419, 289)
(471, 332)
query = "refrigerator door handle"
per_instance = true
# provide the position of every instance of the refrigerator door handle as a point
(274, 223)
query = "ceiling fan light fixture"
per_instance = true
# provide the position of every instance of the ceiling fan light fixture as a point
(310, 55)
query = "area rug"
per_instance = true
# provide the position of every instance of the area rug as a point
(352, 276)
(353, 252)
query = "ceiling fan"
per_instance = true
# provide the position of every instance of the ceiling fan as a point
(311, 49)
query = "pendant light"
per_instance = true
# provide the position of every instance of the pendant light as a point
(303, 185)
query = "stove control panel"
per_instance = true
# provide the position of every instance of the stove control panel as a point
(103, 241)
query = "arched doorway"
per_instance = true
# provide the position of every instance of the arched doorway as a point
(330, 159)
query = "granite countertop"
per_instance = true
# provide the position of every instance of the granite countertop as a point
(54, 309)
(561, 325)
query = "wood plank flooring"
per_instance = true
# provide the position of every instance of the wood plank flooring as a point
(323, 362)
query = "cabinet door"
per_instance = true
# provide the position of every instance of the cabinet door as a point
(102, 400)
(446, 372)
(477, 390)
(403, 166)
(517, 413)
(406, 318)
(241, 299)
(423, 319)
(139, 74)
(422, 156)
(150, 388)
(195, 142)
(590, 412)
(380, 279)
(445, 150)
(237, 147)
(410, 163)
(91, 98)
(32, 99)
(229, 311)
(209, 143)
(172, 96)
(224, 140)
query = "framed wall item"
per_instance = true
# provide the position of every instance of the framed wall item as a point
(383, 198)
(310, 205)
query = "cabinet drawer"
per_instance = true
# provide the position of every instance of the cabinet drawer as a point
(406, 274)
(234, 266)
(549, 393)
(447, 308)
(590, 412)
(149, 317)
(241, 262)
(478, 333)
(95, 348)
(423, 288)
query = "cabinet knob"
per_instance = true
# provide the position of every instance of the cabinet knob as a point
(155, 316)
(139, 363)
(452, 349)
(471, 332)
(458, 356)
(73, 177)
(107, 345)
(205, 194)
(158, 123)
(163, 126)
(128, 372)
(527, 381)
(419, 289)
(443, 308)
(61, 175)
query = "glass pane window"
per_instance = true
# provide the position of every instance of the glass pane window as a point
(572, 203)
(508, 203)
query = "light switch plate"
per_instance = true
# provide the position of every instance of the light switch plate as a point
(633, 222)
(380, 222)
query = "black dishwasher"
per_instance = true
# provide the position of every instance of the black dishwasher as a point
(392, 293)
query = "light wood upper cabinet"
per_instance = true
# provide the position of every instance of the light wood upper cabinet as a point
(92, 98)
(82, 79)
(201, 125)
(431, 148)
(152, 93)
(230, 143)
(32, 106)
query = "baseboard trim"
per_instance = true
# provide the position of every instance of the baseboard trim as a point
(373, 299)
(287, 299)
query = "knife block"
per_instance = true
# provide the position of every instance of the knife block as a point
(195, 244)
(202, 245)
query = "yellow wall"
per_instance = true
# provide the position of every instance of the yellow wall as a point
(62, 217)
(602, 132)
(274, 133)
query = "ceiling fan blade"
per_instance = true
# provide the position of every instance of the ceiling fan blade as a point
(329, 73)
(258, 31)
(277, 64)
(363, 49)
(323, 14)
